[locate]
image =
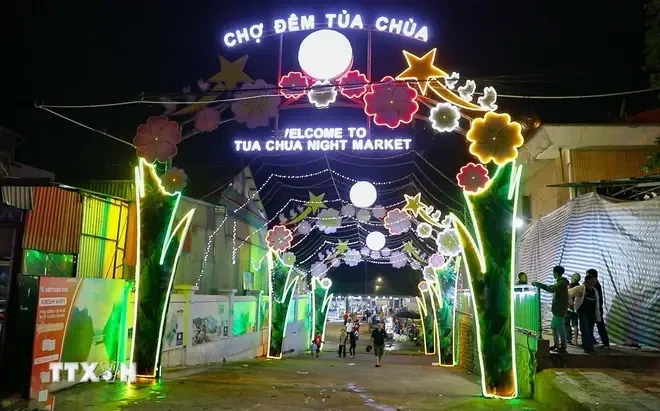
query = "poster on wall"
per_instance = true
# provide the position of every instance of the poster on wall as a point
(263, 311)
(174, 327)
(77, 320)
(245, 317)
(210, 321)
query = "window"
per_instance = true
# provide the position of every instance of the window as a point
(48, 264)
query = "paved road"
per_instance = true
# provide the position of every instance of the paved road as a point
(405, 382)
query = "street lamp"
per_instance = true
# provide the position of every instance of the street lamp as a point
(379, 279)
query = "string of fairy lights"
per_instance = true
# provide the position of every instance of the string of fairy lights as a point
(274, 191)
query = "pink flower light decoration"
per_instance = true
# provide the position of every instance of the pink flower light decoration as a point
(353, 84)
(157, 139)
(207, 119)
(397, 222)
(279, 238)
(436, 260)
(472, 177)
(391, 104)
(175, 179)
(256, 111)
(293, 85)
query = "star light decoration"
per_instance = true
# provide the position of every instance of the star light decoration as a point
(230, 75)
(422, 71)
(417, 208)
(312, 206)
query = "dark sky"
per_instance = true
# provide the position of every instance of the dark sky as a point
(97, 52)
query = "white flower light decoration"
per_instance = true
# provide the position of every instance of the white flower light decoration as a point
(363, 216)
(366, 251)
(444, 117)
(329, 220)
(375, 255)
(336, 262)
(352, 258)
(304, 228)
(415, 265)
(379, 212)
(322, 94)
(326, 283)
(424, 230)
(348, 210)
(318, 270)
(447, 242)
(289, 259)
(429, 274)
(385, 252)
(446, 222)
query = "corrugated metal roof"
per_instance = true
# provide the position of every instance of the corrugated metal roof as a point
(55, 221)
(124, 189)
(18, 196)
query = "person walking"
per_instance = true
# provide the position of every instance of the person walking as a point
(602, 331)
(559, 307)
(316, 345)
(586, 304)
(378, 337)
(343, 338)
(572, 316)
(352, 341)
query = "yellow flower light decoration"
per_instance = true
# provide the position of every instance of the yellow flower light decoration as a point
(495, 138)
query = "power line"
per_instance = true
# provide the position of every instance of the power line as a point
(277, 91)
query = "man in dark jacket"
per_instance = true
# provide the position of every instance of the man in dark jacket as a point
(559, 292)
(602, 331)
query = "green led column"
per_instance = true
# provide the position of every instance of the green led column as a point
(489, 256)
(159, 245)
(446, 307)
(427, 309)
(320, 306)
(282, 285)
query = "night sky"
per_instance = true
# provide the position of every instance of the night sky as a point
(98, 52)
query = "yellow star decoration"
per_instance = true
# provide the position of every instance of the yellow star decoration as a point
(408, 248)
(342, 247)
(421, 69)
(315, 203)
(414, 204)
(231, 73)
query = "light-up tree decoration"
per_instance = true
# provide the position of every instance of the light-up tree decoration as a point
(159, 243)
(321, 300)
(427, 311)
(283, 281)
(488, 241)
(446, 311)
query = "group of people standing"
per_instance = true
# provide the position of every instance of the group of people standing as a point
(575, 304)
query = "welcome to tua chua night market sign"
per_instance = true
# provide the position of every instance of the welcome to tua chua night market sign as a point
(324, 139)
(343, 20)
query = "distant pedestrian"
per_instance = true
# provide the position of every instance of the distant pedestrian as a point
(316, 345)
(352, 343)
(602, 331)
(559, 307)
(378, 337)
(346, 318)
(343, 338)
(586, 305)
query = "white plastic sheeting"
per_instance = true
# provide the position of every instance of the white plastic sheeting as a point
(619, 239)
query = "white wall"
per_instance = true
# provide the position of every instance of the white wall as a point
(218, 347)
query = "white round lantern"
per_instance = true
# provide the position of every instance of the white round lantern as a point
(376, 240)
(363, 194)
(325, 55)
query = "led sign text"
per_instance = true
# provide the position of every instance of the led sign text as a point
(343, 20)
(325, 139)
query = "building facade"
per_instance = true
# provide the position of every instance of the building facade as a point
(577, 153)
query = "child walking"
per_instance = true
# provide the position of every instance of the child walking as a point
(343, 338)
(316, 345)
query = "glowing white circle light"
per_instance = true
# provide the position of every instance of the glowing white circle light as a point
(376, 240)
(325, 55)
(363, 194)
